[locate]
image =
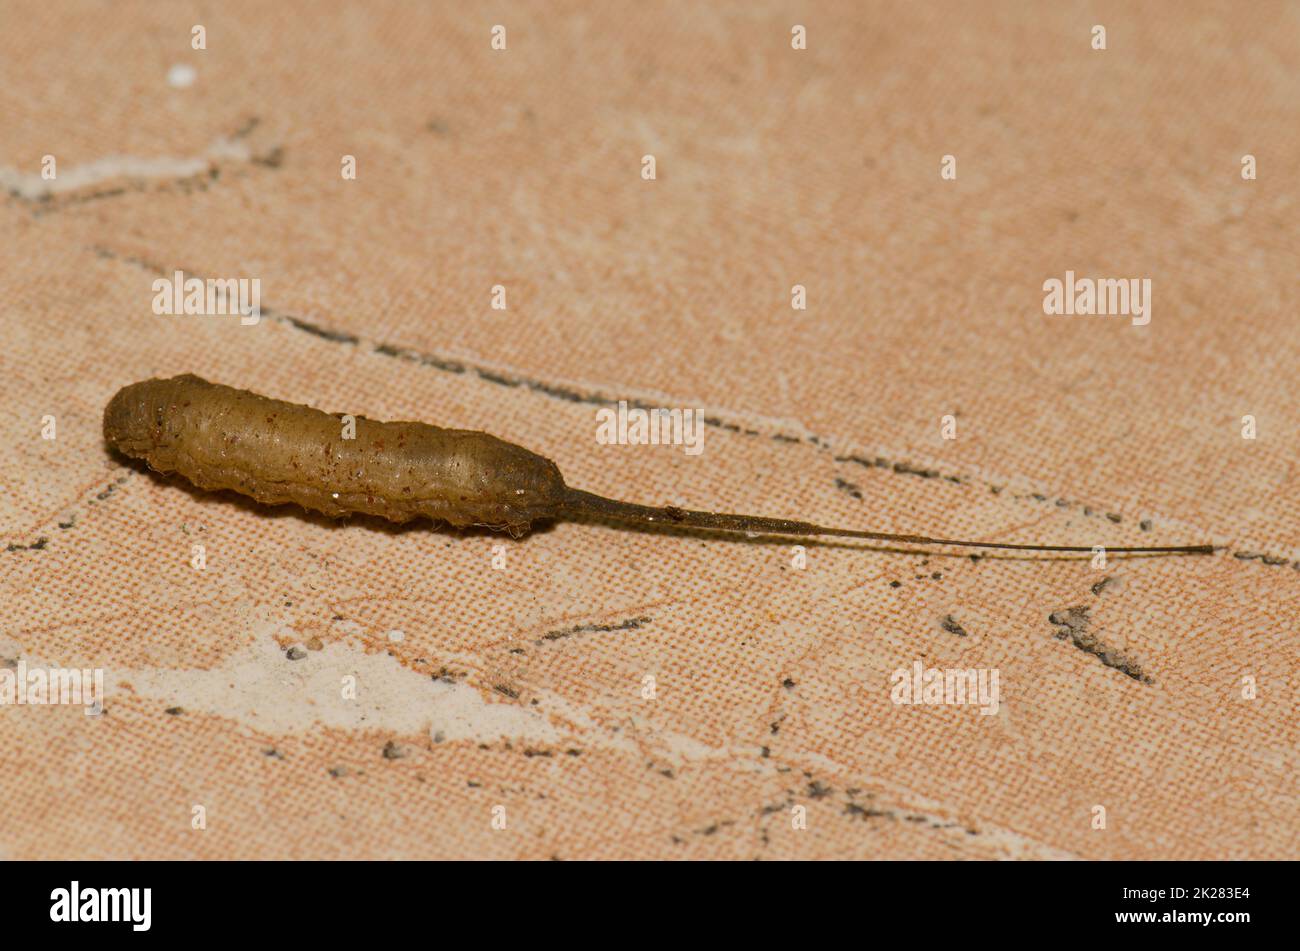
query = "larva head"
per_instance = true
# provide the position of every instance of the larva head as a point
(136, 418)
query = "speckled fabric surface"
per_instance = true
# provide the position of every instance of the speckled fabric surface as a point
(322, 689)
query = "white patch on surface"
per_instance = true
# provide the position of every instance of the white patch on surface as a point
(32, 186)
(260, 687)
(181, 76)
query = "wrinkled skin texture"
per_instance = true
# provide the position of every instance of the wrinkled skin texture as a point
(219, 437)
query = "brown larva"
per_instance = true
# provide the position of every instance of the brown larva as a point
(219, 437)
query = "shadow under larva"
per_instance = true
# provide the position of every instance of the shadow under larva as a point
(276, 452)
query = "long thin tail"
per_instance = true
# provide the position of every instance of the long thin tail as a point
(580, 502)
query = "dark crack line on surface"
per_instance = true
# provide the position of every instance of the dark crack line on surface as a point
(631, 624)
(1072, 624)
(49, 204)
(38, 545)
(1265, 559)
(815, 792)
(595, 398)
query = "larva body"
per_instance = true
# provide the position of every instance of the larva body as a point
(219, 437)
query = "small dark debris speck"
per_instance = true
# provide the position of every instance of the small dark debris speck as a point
(393, 751)
(818, 790)
(846, 486)
(949, 624)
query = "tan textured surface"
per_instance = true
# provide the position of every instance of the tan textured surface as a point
(775, 167)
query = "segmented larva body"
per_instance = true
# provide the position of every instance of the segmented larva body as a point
(219, 437)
